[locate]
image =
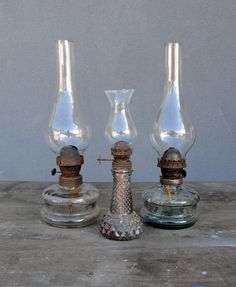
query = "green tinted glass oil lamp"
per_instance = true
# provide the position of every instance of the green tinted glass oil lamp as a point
(171, 204)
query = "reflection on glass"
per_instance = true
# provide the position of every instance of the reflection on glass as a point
(173, 126)
(66, 123)
(120, 125)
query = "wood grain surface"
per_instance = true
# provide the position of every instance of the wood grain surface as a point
(33, 253)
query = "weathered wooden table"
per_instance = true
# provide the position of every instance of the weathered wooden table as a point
(33, 253)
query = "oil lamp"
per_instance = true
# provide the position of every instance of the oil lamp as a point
(121, 222)
(71, 203)
(171, 204)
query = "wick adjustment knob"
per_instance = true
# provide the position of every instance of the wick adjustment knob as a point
(100, 159)
(54, 171)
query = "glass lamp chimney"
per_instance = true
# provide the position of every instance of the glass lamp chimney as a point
(173, 126)
(66, 124)
(120, 125)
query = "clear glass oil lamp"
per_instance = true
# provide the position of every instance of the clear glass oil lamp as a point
(171, 204)
(121, 222)
(71, 203)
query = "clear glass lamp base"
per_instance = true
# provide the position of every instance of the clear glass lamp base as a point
(68, 207)
(170, 207)
(121, 226)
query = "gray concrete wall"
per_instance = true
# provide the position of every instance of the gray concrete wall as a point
(119, 44)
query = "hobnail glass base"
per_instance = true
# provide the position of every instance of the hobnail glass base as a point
(70, 208)
(121, 226)
(170, 207)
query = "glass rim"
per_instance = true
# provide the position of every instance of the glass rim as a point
(173, 44)
(121, 90)
(66, 40)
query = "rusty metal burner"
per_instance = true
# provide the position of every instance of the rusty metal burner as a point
(172, 167)
(69, 162)
(121, 153)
